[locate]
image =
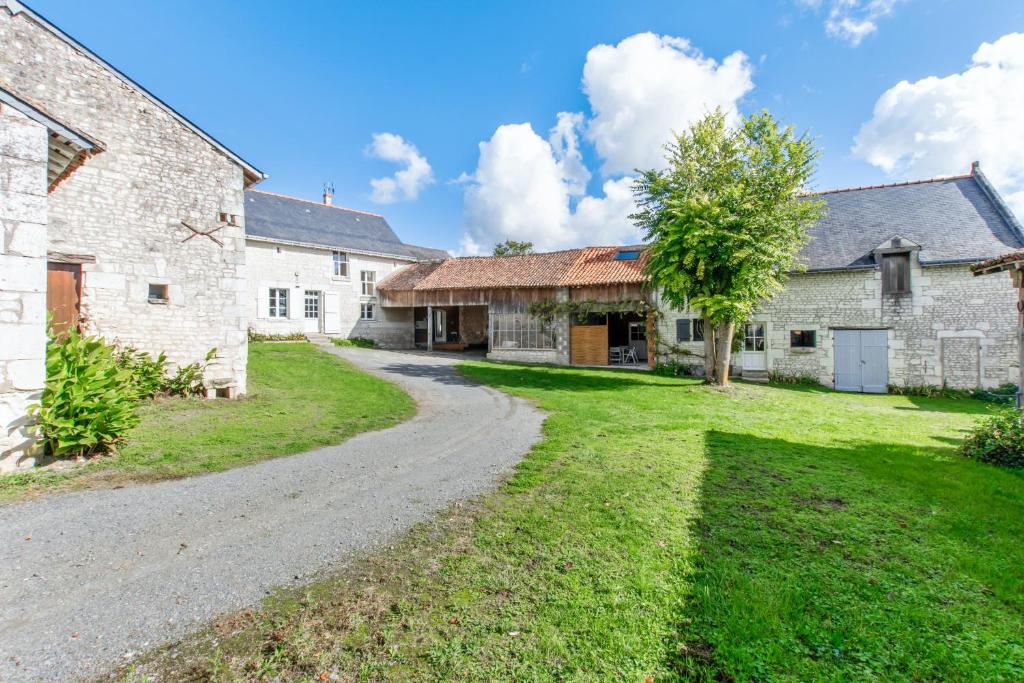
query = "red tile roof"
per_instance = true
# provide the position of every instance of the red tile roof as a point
(1005, 259)
(570, 268)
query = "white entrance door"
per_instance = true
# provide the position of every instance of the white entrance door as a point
(440, 325)
(331, 313)
(862, 360)
(754, 355)
(311, 312)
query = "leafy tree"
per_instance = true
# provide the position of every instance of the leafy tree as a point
(725, 221)
(513, 248)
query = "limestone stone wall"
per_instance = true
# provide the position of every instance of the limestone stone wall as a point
(23, 154)
(300, 269)
(125, 207)
(953, 329)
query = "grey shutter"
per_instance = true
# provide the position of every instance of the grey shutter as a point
(683, 329)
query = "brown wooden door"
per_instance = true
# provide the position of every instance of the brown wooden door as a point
(588, 345)
(63, 295)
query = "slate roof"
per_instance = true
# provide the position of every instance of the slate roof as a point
(302, 221)
(569, 268)
(958, 219)
(427, 253)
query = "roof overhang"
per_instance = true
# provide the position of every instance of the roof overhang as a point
(1013, 261)
(250, 173)
(67, 148)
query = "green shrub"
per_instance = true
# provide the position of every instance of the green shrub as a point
(998, 439)
(793, 378)
(149, 375)
(672, 368)
(89, 399)
(359, 342)
(188, 380)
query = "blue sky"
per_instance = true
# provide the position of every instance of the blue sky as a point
(299, 89)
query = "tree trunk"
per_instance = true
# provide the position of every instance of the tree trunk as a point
(723, 352)
(709, 352)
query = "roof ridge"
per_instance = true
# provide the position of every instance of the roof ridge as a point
(316, 203)
(881, 186)
(535, 253)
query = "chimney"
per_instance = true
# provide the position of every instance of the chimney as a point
(328, 193)
(975, 167)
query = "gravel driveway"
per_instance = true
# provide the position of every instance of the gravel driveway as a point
(88, 578)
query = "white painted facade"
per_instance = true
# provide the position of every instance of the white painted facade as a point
(952, 329)
(342, 306)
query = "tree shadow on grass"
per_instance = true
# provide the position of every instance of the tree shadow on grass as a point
(870, 560)
(555, 377)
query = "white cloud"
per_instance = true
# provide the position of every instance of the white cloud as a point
(852, 20)
(938, 125)
(407, 182)
(648, 86)
(640, 91)
(522, 189)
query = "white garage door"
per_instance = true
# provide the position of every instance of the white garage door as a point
(862, 360)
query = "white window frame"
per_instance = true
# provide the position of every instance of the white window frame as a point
(369, 284)
(277, 302)
(367, 306)
(311, 304)
(339, 259)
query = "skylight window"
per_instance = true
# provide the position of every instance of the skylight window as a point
(627, 255)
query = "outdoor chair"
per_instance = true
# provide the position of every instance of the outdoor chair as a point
(615, 355)
(629, 355)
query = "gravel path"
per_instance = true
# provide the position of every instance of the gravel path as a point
(88, 578)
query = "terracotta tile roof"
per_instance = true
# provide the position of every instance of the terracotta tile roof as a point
(991, 263)
(570, 268)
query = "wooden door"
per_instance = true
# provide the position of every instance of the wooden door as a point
(588, 345)
(63, 295)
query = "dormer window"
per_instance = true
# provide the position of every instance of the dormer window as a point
(896, 273)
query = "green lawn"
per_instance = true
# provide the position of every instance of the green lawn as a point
(665, 530)
(299, 398)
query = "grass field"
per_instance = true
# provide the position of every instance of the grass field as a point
(299, 398)
(665, 530)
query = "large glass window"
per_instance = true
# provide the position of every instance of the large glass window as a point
(278, 303)
(368, 278)
(517, 329)
(340, 264)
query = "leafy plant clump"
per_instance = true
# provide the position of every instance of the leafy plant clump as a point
(359, 342)
(189, 379)
(998, 439)
(794, 378)
(148, 374)
(1005, 394)
(672, 368)
(89, 399)
(255, 336)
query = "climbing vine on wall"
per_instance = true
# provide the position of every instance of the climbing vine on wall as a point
(580, 309)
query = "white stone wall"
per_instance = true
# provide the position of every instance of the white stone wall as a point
(125, 205)
(23, 154)
(298, 269)
(954, 329)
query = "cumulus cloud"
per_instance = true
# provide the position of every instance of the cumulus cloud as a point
(640, 91)
(407, 182)
(938, 125)
(852, 20)
(646, 87)
(523, 187)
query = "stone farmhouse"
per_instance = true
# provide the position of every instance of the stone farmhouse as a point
(886, 298)
(314, 269)
(119, 215)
